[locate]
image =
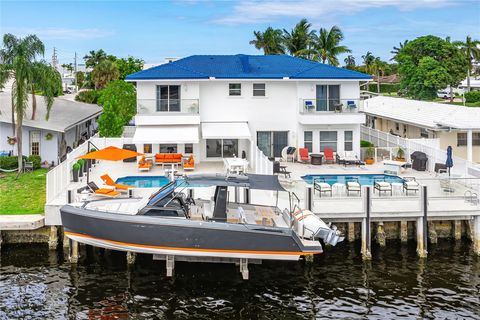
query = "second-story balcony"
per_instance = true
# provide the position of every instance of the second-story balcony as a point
(167, 111)
(331, 111)
(323, 106)
(167, 106)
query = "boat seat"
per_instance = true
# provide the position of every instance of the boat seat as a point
(250, 218)
(278, 221)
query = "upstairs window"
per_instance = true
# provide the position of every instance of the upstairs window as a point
(234, 89)
(308, 140)
(259, 89)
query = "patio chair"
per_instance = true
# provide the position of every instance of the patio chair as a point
(189, 164)
(410, 184)
(303, 154)
(353, 185)
(27, 166)
(144, 165)
(104, 192)
(328, 154)
(320, 185)
(109, 182)
(351, 106)
(278, 169)
(309, 105)
(382, 186)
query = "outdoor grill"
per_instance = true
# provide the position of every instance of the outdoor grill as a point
(419, 161)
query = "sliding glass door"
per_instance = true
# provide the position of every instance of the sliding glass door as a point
(327, 96)
(272, 142)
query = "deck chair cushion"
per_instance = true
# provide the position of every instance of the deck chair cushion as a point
(412, 185)
(352, 185)
(383, 185)
(323, 185)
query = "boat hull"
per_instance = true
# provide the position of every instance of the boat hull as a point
(183, 237)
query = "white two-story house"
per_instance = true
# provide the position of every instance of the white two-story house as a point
(216, 106)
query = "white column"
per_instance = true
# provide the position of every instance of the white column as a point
(469, 145)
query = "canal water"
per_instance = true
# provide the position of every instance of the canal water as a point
(38, 284)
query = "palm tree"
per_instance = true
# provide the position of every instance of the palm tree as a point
(94, 57)
(471, 50)
(327, 45)
(368, 60)
(18, 56)
(379, 67)
(46, 79)
(297, 41)
(396, 50)
(271, 41)
(350, 62)
(104, 72)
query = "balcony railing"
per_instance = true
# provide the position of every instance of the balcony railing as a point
(322, 106)
(167, 106)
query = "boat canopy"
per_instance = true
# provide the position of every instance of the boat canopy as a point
(251, 181)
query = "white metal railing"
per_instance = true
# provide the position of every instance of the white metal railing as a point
(261, 163)
(322, 106)
(386, 143)
(167, 106)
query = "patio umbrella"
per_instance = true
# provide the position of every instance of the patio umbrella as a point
(449, 162)
(109, 153)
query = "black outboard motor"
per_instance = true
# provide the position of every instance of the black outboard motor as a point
(220, 210)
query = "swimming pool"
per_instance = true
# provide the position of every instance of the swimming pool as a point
(363, 179)
(151, 181)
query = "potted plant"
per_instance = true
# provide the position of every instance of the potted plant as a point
(75, 170)
(81, 163)
(400, 154)
(369, 154)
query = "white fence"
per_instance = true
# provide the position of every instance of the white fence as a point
(387, 143)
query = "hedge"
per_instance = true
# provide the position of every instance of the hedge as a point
(472, 96)
(365, 144)
(9, 162)
(384, 87)
(89, 96)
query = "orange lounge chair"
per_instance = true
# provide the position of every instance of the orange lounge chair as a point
(109, 182)
(144, 165)
(328, 154)
(106, 192)
(303, 154)
(189, 164)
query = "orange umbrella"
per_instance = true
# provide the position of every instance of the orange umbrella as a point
(110, 153)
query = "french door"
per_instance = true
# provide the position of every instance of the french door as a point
(272, 142)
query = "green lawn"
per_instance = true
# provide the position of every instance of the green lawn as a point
(467, 104)
(25, 195)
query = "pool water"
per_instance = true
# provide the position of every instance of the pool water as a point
(363, 179)
(151, 181)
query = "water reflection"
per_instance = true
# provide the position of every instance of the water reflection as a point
(36, 283)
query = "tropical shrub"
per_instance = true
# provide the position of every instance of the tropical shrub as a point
(88, 96)
(384, 87)
(36, 160)
(365, 144)
(472, 96)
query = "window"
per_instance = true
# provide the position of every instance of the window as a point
(35, 143)
(328, 139)
(259, 89)
(188, 148)
(423, 133)
(348, 141)
(147, 148)
(168, 148)
(272, 142)
(462, 139)
(168, 98)
(222, 148)
(235, 89)
(307, 140)
(328, 97)
(397, 126)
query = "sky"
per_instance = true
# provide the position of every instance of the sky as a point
(155, 30)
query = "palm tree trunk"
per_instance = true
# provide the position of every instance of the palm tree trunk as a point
(34, 103)
(19, 144)
(451, 93)
(468, 79)
(378, 83)
(13, 116)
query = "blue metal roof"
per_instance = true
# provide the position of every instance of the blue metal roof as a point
(242, 66)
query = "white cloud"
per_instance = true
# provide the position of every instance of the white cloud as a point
(266, 11)
(61, 33)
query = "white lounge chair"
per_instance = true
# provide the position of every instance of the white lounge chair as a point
(353, 186)
(321, 186)
(410, 184)
(382, 186)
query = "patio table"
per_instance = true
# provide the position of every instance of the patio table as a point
(236, 165)
(316, 158)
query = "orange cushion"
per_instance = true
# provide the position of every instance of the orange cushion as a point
(104, 191)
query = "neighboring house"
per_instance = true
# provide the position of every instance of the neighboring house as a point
(474, 84)
(216, 106)
(453, 125)
(70, 123)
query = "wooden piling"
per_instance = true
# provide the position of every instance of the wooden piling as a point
(476, 235)
(131, 257)
(74, 255)
(351, 231)
(53, 238)
(403, 231)
(457, 229)
(432, 233)
(381, 236)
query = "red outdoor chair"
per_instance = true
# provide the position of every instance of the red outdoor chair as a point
(328, 154)
(303, 153)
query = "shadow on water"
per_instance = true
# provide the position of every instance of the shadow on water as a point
(37, 283)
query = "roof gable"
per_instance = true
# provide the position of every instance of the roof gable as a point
(246, 67)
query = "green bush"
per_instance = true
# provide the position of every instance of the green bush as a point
(384, 87)
(89, 96)
(9, 163)
(76, 166)
(472, 96)
(365, 144)
(36, 160)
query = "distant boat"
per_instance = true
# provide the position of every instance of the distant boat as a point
(171, 223)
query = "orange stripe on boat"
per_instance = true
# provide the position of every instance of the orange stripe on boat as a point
(192, 249)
